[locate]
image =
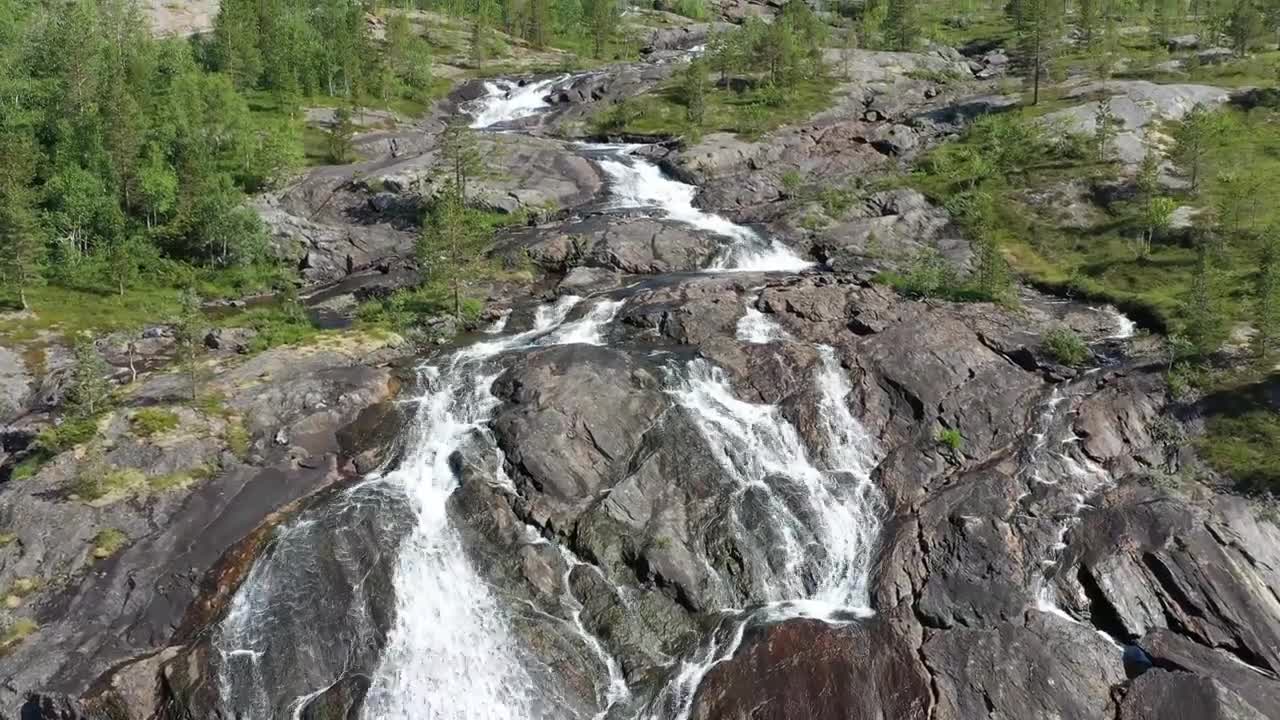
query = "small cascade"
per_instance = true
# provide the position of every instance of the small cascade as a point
(1066, 478)
(757, 328)
(505, 101)
(639, 183)
(821, 528)
(1125, 328)
(589, 330)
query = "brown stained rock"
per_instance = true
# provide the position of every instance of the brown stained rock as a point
(816, 671)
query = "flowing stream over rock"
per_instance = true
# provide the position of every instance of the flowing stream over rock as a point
(433, 638)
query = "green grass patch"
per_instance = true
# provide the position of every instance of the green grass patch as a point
(405, 309)
(19, 630)
(91, 486)
(97, 307)
(179, 480)
(7, 539)
(213, 404)
(108, 542)
(1246, 448)
(237, 439)
(275, 325)
(149, 422)
(950, 438)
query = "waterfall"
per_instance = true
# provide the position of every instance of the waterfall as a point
(640, 184)
(505, 101)
(1062, 476)
(821, 528)
(757, 328)
(449, 654)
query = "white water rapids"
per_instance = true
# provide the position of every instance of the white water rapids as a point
(638, 183)
(451, 651)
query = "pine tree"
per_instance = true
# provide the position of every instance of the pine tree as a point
(1037, 39)
(1266, 295)
(1205, 316)
(1105, 128)
(602, 21)
(693, 87)
(1193, 139)
(340, 136)
(1087, 21)
(902, 24)
(89, 389)
(189, 331)
(459, 154)
(21, 237)
(450, 248)
(1244, 26)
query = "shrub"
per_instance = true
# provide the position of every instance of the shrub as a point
(950, 438)
(108, 542)
(1065, 346)
(153, 421)
(695, 9)
(238, 440)
(67, 435)
(16, 633)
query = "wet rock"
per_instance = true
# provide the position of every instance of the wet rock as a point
(628, 244)
(341, 701)
(589, 280)
(575, 415)
(810, 669)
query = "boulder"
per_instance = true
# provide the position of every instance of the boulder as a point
(817, 671)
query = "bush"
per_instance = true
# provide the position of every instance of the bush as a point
(950, 438)
(1065, 346)
(108, 543)
(153, 421)
(695, 9)
(16, 633)
(67, 435)
(238, 440)
(1245, 448)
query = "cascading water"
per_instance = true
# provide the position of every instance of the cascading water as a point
(638, 183)
(821, 527)
(1061, 480)
(449, 652)
(505, 101)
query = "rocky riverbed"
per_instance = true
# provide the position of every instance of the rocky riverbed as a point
(697, 473)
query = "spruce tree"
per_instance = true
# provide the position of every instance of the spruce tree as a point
(451, 246)
(1203, 309)
(22, 239)
(89, 389)
(1266, 295)
(189, 330)
(1193, 139)
(693, 87)
(902, 24)
(1105, 128)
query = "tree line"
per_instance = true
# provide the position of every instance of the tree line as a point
(121, 153)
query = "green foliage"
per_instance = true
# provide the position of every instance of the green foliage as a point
(13, 635)
(1245, 446)
(901, 24)
(340, 136)
(451, 247)
(1194, 138)
(190, 326)
(1065, 346)
(950, 438)
(237, 439)
(108, 542)
(7, 539)
(89, 390)
(149, 422)
(66, 435)
(693, 89)
(694, 9)
(1266, 296)
(928, 274)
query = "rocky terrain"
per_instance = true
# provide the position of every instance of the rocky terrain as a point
(649, 490)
